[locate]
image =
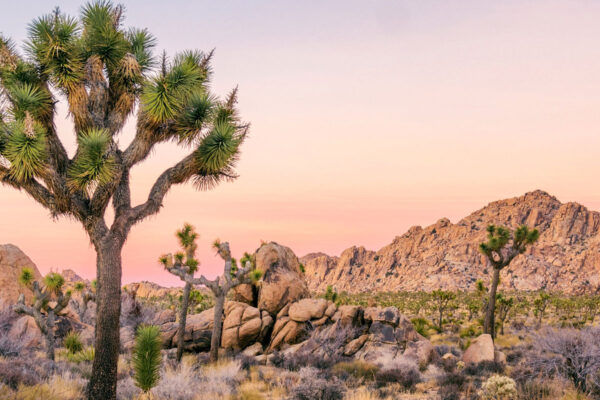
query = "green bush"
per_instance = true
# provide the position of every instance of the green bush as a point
(146, 357)
(72, 342)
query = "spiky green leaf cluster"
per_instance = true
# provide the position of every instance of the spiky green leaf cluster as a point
(79, 286)
(54, 45)
(27, 97)
(146, 357)
(26, 151)
(26, 277)
(73, 343)
(255, 275)
(187, 236)
(166, 97)
(92, 165)
(218, 149)
(54, 282)
(498, 237)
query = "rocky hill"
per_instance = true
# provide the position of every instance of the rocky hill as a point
(445, 255)
(12, 261)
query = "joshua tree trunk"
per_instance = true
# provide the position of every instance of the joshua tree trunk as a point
(440, 320)
(49, 336)
(185, 301)
(488, 326)
(103, 383)
(215, 340)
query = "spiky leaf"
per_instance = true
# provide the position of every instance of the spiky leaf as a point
(93, 165)
(217, 149)
(26, 151)
(26, 277)
(54, 282)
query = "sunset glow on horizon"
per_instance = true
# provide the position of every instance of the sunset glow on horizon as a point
(366, 118)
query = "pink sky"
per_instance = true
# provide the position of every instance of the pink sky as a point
(367, 118)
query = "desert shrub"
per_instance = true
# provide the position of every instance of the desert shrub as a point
(58, 387)
(16, 372)
(357, 369)
(498, 387)
(300, 359)
(247, 361)
(72, 342)
(569, 353)
(536, 389)
(219, 380)
(450, 385)
(8, 346)
(313, 387)
(404, 372)
(483, 368)
(146, 357)
(126, 389)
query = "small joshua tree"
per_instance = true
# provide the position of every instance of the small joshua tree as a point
(43, 314)
(146, 357)
(88, 293)
(186, 265)
(505, 304)
(220, 286)
(500, 249)
(539, 306)
(441, 303)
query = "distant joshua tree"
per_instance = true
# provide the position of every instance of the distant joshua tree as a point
(505, 304)
(88, 293)
(183, 264)
(501, 248)
(105, 72)
(43, 314)
(441, 303)
(220, 286)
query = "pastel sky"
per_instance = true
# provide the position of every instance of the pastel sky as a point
(367, 117)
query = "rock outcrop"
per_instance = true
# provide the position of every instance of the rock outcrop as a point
(282, 280)
(445, 255)
(12, 261)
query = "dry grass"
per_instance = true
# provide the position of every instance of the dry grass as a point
(57, 388)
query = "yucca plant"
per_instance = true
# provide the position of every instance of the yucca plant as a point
(44, 314)
(107, 72)
(72, 342)
(232, 276)
(502, 246)
(146, 357)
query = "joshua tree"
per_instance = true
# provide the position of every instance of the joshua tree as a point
(186, 264)
(500, 249)
(106, 73)
(232, 277)
(505, 304)
(43, 314)
(87, 294)
(441, 303)
(539, 306)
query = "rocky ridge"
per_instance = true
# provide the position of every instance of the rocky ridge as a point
(445, 255)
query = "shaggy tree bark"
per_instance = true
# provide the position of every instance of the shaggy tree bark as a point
(43, 315)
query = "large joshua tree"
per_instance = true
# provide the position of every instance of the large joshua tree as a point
(220, 286)
(107, 73)
(502, 246)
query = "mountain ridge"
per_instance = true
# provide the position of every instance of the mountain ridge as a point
(445, 255)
